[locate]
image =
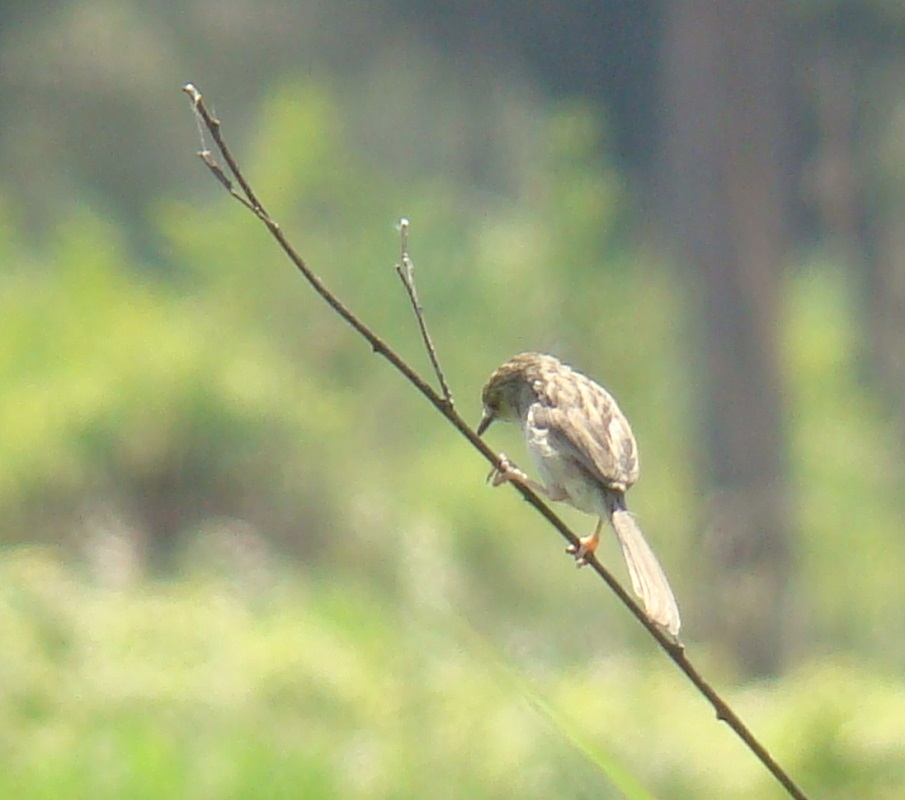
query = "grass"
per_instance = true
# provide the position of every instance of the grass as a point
(209, 688)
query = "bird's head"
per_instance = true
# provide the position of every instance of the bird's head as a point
(509, 390)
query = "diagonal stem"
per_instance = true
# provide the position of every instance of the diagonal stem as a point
(443, 404)
(406, 272)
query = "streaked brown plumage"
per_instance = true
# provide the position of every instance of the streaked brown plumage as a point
(584, 450)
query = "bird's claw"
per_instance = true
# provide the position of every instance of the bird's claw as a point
(505, 472)
(585, 547)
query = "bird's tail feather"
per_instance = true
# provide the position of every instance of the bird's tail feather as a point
(648, 579)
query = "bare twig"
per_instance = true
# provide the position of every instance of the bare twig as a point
(443, 404)
(406, 272)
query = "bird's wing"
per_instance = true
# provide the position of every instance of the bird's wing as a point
(595, 434)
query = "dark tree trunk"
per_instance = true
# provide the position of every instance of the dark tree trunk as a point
(725, 130)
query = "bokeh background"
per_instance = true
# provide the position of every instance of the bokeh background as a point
(241, 558)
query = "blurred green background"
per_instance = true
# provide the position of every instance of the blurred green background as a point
(241, 558)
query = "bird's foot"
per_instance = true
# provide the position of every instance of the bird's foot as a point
(506, 472)
(585, 547)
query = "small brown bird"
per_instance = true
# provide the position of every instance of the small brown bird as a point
(584, 450)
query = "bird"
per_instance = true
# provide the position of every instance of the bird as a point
(584, 449)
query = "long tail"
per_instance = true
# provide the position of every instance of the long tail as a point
(648, 579)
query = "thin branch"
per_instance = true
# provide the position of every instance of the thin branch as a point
(213, 125)
(211, 163)
(406, 272)
(673, 649)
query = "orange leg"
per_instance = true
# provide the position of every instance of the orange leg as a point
(586, 545)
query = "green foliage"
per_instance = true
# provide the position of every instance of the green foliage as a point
(121, 390)
(212, 688)
(220, 387)
(848, 471)
(159, 406)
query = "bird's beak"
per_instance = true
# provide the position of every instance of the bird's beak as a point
(484, 424)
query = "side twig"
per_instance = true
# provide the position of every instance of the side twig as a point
(406, 272)
(443, 404)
